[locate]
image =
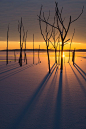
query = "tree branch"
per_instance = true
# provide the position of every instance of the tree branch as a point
(78, 16)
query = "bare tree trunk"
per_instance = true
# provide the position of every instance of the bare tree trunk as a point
(38, 54)
(59, 54)
(62, 57)
(69, 55)
(25, 52)
(24, 55)
(21, 56)
(20, 25)
(33, 48)
(7, 50)
(70, 49)
(55, 56)
(7, 57)
(14, 56)
(73, 56)
(48, 59)
(26, 58)
(20, 49)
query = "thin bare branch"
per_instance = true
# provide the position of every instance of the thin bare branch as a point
(78, 16)
(52, 44)
(67, 29)
(41, 30)
(44, 16)
(66, 40)
(66, 43)
(40, 19)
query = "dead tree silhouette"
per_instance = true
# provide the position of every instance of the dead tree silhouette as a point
(20, 26)
(7, 45)
(38, 55)
(70, 45)
(54, 36)
(59, 50)
(14, 56)
(54, 44)
(24, 40)
(73, 56)
(60, 26)
(33, 48)
(46, 36)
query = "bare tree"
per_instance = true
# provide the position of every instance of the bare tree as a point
(33, 48)
(20, 26)
(59, 50)
(7, 45)
(60, 26)
(47, 35)
(55, 38)
(70, 45)
(24, 40)
(38, 55)
(14, 56)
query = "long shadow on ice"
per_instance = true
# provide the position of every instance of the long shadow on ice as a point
(33, 100)
(8, 67)
(9, 70)
(4, 66)
(20, 69)
(80, 70)
(81, 85)
(57, 120)
(54, 77)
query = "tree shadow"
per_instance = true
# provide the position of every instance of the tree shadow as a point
(58, 106)
(9, 70)
(15, 72)
(84, 57)
(2, 65)
(80, 70)
(54, 77)
(28, 106)
(81, 85)
(8, 66)
(67, 84)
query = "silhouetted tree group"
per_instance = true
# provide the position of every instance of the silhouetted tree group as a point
(20, 29)
(63, 31)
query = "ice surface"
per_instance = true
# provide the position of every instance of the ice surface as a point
(31, 98)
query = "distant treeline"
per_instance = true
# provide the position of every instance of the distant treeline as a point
(44, 50)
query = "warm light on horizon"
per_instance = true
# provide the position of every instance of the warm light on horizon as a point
(29, 45)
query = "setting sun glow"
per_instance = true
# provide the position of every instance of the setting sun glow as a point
(63, 54)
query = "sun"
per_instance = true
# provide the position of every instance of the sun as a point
(63, 54)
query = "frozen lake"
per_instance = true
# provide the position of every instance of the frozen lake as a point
(31, 98)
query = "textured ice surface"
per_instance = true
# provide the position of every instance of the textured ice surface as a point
(31, 98)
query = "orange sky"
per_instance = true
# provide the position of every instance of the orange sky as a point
(12, 11)
(16, 45)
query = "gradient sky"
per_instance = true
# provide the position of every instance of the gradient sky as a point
(12, 10)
